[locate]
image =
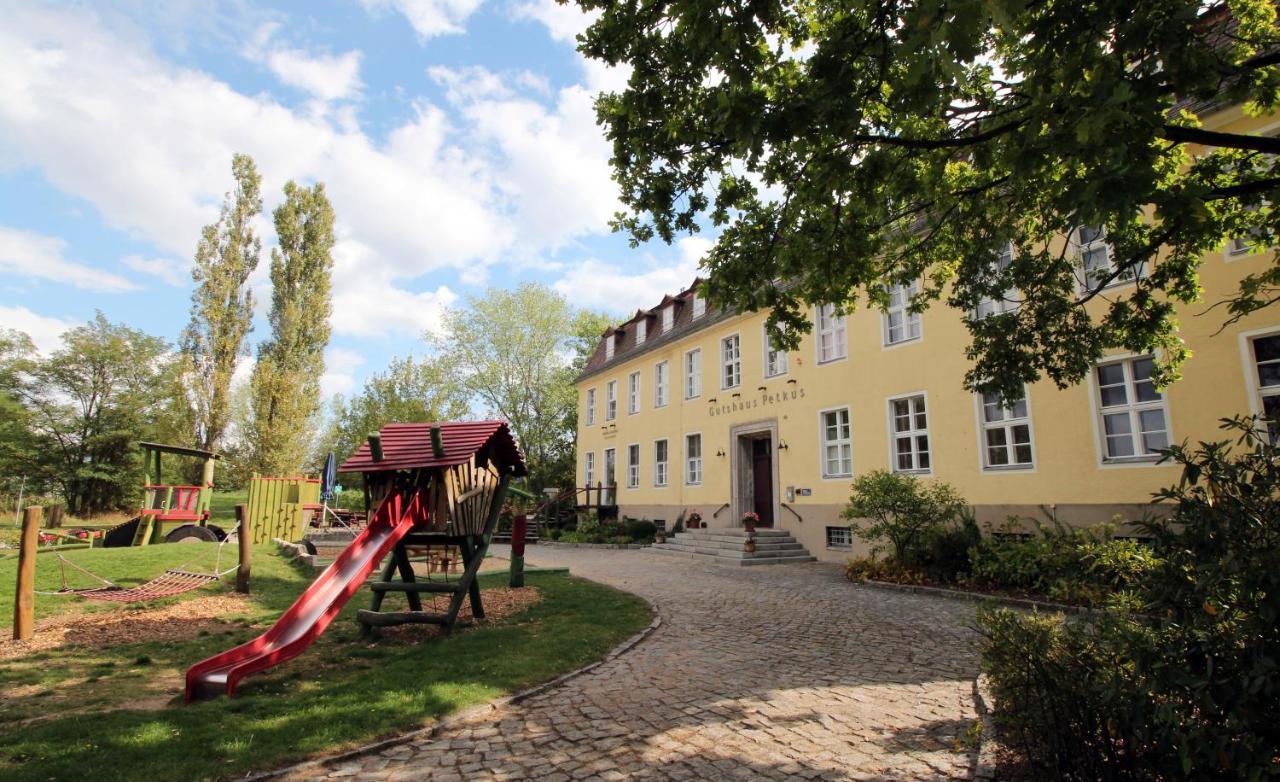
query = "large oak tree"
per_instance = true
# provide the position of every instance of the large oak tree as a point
(844, 145)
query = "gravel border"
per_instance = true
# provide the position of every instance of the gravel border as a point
(984, 768)
(979, 597)
(453, 719)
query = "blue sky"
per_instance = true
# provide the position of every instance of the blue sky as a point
(456, 139)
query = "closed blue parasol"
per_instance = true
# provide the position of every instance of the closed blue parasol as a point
(328, 478)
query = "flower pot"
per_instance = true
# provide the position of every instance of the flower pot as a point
(749, 546)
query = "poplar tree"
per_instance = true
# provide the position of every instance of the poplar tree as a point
(286, 378)
(222, 304)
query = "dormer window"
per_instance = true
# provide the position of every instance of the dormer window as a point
(668, 318)
(699, 306)
(608, 347)
(642, 330)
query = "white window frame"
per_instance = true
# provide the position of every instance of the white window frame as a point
(633, 465)
(661, 466)
(912, 323)
(1008, 301)
(668, 317)
(1008, 423)
(610, 483)
(591, 407)
(1258, 394)
(731, 365)
(775, 360)
(699, 306)
(608, 347)
(633, 392)
(1081, 248)
(589, 468)
(693, 376)
(824, 443)
(611, 400)
(642, 330)
(913, 434)
(693, 464)
(661, 384)
(827, 322)
(846, 542)
(1132, 407)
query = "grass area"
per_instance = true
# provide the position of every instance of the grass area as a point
(73, 713)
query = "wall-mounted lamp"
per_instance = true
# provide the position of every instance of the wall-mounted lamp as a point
(762, 388)
(736, 395)
(720, 452)
(711, 401)
(782, 445)
(791, 381)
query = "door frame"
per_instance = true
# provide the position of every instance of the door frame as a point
(741, 468)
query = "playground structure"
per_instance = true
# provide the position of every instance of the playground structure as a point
(281, 507)
(169, 512)
(434, 486)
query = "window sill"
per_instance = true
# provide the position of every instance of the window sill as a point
(837, 359)
(1145, 460)
(928, 471)
(843, 477)
(839, 548)
(901, 342)
(1009, 467)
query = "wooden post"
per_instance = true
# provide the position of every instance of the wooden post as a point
(24, 601)
(245, 540)
(55, 516)
(519, 529)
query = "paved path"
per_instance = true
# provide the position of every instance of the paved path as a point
(781, 672)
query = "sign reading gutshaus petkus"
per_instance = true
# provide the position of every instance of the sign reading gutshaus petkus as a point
(764, 399)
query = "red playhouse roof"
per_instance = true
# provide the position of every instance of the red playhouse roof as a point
(405, 446)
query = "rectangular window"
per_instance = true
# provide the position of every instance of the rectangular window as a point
(1266, 357)
(775, 360)
(699, 306)
(591, 407)
(900, 323)
(1134, 420)
(910, 424)
(611, 400)
(660, 460)
(839, 537)
(633, 393)
(608, 347)
(589, 471)
(610, 474)
(1095, 259)
(832, 337)
(730, 362)
(837, 444)
(642, 331)
(1006, 433)
(1008, 300)
(633, 465)
(693, 459)
(660, 384)
(693, 374)
(668, 318)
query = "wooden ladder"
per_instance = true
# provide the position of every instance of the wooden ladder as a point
(142, 535)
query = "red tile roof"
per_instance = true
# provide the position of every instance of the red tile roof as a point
(406, 446)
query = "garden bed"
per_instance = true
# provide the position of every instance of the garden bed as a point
(595, 545)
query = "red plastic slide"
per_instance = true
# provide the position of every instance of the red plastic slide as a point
(312, 612)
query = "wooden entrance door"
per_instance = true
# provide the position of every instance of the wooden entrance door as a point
(762, 479)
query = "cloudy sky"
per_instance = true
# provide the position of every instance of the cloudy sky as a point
(456, 139)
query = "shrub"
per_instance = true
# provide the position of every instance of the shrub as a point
(904, 512)
(859, 569)
(947, 551)
(640, 530)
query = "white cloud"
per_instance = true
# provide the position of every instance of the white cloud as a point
(610, 287)
(339, 375)
(32, 255)
(323, 76)
(167, 270)
(44, 331)
(367, 304)
(429, 18)
(563, 21)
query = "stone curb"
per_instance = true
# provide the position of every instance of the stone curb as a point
(595, 545)
(980, 597)
(984, 768)
(295, 551)
(447, 722)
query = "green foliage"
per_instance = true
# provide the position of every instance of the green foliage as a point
(1188, 688)
(639, 530)
(902, 510)
(410, 390)
(859, 569)
(510, 349)
(842, 146)
(222, 303)
(286, 377)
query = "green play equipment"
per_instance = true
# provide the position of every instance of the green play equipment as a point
(169, 513)
(281, 507)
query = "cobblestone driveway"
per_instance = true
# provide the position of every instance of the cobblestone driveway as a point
(774, 672)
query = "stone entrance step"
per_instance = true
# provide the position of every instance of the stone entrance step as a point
(773, 547)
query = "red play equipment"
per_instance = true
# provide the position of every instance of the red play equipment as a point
(433, 484)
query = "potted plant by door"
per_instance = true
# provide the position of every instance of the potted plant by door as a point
(693, 520)
(749, 521)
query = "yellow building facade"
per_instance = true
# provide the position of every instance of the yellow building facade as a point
(686, 408)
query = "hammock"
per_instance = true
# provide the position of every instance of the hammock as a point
(172, 582)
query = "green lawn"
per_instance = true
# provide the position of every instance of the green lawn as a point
(71, 713)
